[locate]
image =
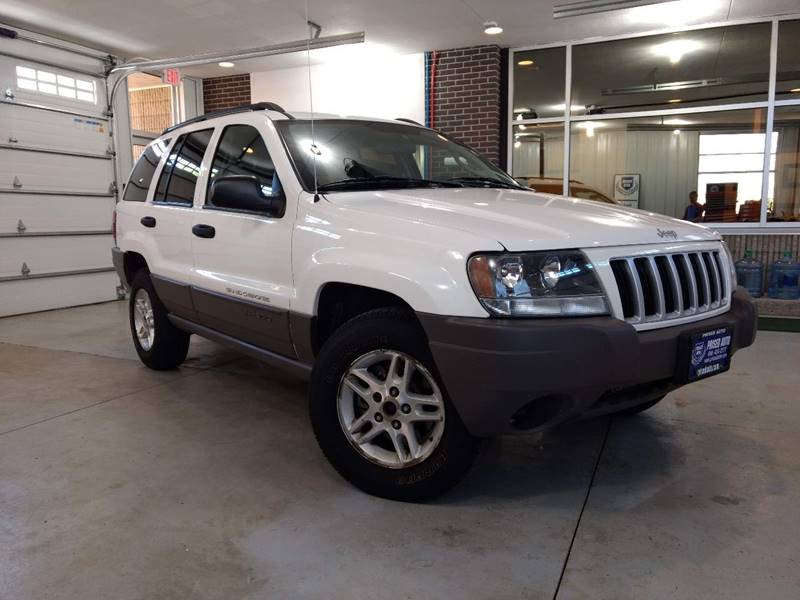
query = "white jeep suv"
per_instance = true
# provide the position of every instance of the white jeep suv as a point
(430, 298)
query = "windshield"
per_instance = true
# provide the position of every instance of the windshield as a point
(374, 155)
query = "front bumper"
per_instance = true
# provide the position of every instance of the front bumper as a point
(507, 374)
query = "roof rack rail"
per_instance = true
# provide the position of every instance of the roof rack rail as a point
(412, 121)
(231, 111)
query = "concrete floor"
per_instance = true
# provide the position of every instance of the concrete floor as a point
(120, 482)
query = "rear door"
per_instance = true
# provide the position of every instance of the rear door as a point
(169, 218)
(243, 275)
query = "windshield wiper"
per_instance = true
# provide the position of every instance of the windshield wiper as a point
(383, 181)
(485, 182)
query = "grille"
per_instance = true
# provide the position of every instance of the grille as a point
(661, 287)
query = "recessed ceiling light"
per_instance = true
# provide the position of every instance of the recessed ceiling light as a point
(517, 144)
(677, 132)
(675, 49)
(226, 64)
(525, 62)
(674, 100)
(492, 28)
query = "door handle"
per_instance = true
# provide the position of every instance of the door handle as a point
(148, 221)
(204, 231)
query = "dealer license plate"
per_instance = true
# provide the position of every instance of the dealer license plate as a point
(709, 353)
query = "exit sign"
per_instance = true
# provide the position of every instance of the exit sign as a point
(171, 76)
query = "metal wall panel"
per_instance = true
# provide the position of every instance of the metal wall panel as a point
(36, 171)
(43, 214)
(29, 127)
(25, 296)
(53, 254)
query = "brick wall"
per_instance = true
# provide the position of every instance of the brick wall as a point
(468, 97)
(220, 93)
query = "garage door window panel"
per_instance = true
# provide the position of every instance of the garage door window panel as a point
(55, 84)
(142, 175)
(178, 179)
(242, 151)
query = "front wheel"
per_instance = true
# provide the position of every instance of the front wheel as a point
(380, 414)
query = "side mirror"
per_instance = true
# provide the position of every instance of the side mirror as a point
(244, 192)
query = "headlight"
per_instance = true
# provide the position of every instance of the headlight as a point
(731, 266)
(537, 284)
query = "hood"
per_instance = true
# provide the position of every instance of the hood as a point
(524, 220)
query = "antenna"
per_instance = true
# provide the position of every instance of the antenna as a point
(313, 31)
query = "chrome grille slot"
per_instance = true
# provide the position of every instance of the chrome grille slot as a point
(659, 287)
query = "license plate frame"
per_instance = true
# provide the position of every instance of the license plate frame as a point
(703, 353)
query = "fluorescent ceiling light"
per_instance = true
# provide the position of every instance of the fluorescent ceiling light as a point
(517, 144)
(525, 62)
(675, 49)
(226, 64)
(572, 108)
(591, 7)
(676, 122)
(674, 100)
(795, 90)
(589, 127)
(521, 110)
(677, 132)
(492, 28)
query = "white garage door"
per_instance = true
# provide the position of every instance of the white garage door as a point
(56, 180)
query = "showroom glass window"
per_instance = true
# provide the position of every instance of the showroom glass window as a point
(241, 151)
(178, 179)
(673, 113)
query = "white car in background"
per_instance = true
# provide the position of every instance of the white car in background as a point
(431, 299)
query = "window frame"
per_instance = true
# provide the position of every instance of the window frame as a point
(567, 119)
(180, 136)
(215, 142)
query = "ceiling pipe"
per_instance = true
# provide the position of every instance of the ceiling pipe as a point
(125, 69)
(212, 57)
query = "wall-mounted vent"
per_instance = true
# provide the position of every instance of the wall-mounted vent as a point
(590, 7)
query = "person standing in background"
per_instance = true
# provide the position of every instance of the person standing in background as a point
(693, 212)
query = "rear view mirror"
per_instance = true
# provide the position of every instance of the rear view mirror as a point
(246, 193)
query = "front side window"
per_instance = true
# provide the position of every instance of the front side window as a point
(179, 176)
(142, 174)
(379, 155)
(242, 151)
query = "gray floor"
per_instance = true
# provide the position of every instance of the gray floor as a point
(119, 482)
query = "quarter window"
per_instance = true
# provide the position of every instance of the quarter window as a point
(241, 151)
(179, 178)
(142, 175)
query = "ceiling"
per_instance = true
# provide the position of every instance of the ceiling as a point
(167, 28)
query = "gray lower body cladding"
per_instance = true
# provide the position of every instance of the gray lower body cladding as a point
(507, 374)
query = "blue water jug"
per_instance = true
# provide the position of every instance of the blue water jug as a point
(784, 278)
(750, 273)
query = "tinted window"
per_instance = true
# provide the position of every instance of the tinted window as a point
(142, 175)
(241, 151)
(179, 177)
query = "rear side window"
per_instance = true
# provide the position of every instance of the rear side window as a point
(242, 151)
(179, 177)
(142, 174)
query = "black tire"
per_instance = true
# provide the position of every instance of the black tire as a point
(639, 408)
(170, 344)
(396, 330)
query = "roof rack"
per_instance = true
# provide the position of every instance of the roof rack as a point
(231, 111)
(412, 121)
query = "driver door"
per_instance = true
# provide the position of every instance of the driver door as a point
(243, 273)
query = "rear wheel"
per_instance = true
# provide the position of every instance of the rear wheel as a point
(159, 344)
(380, 414)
